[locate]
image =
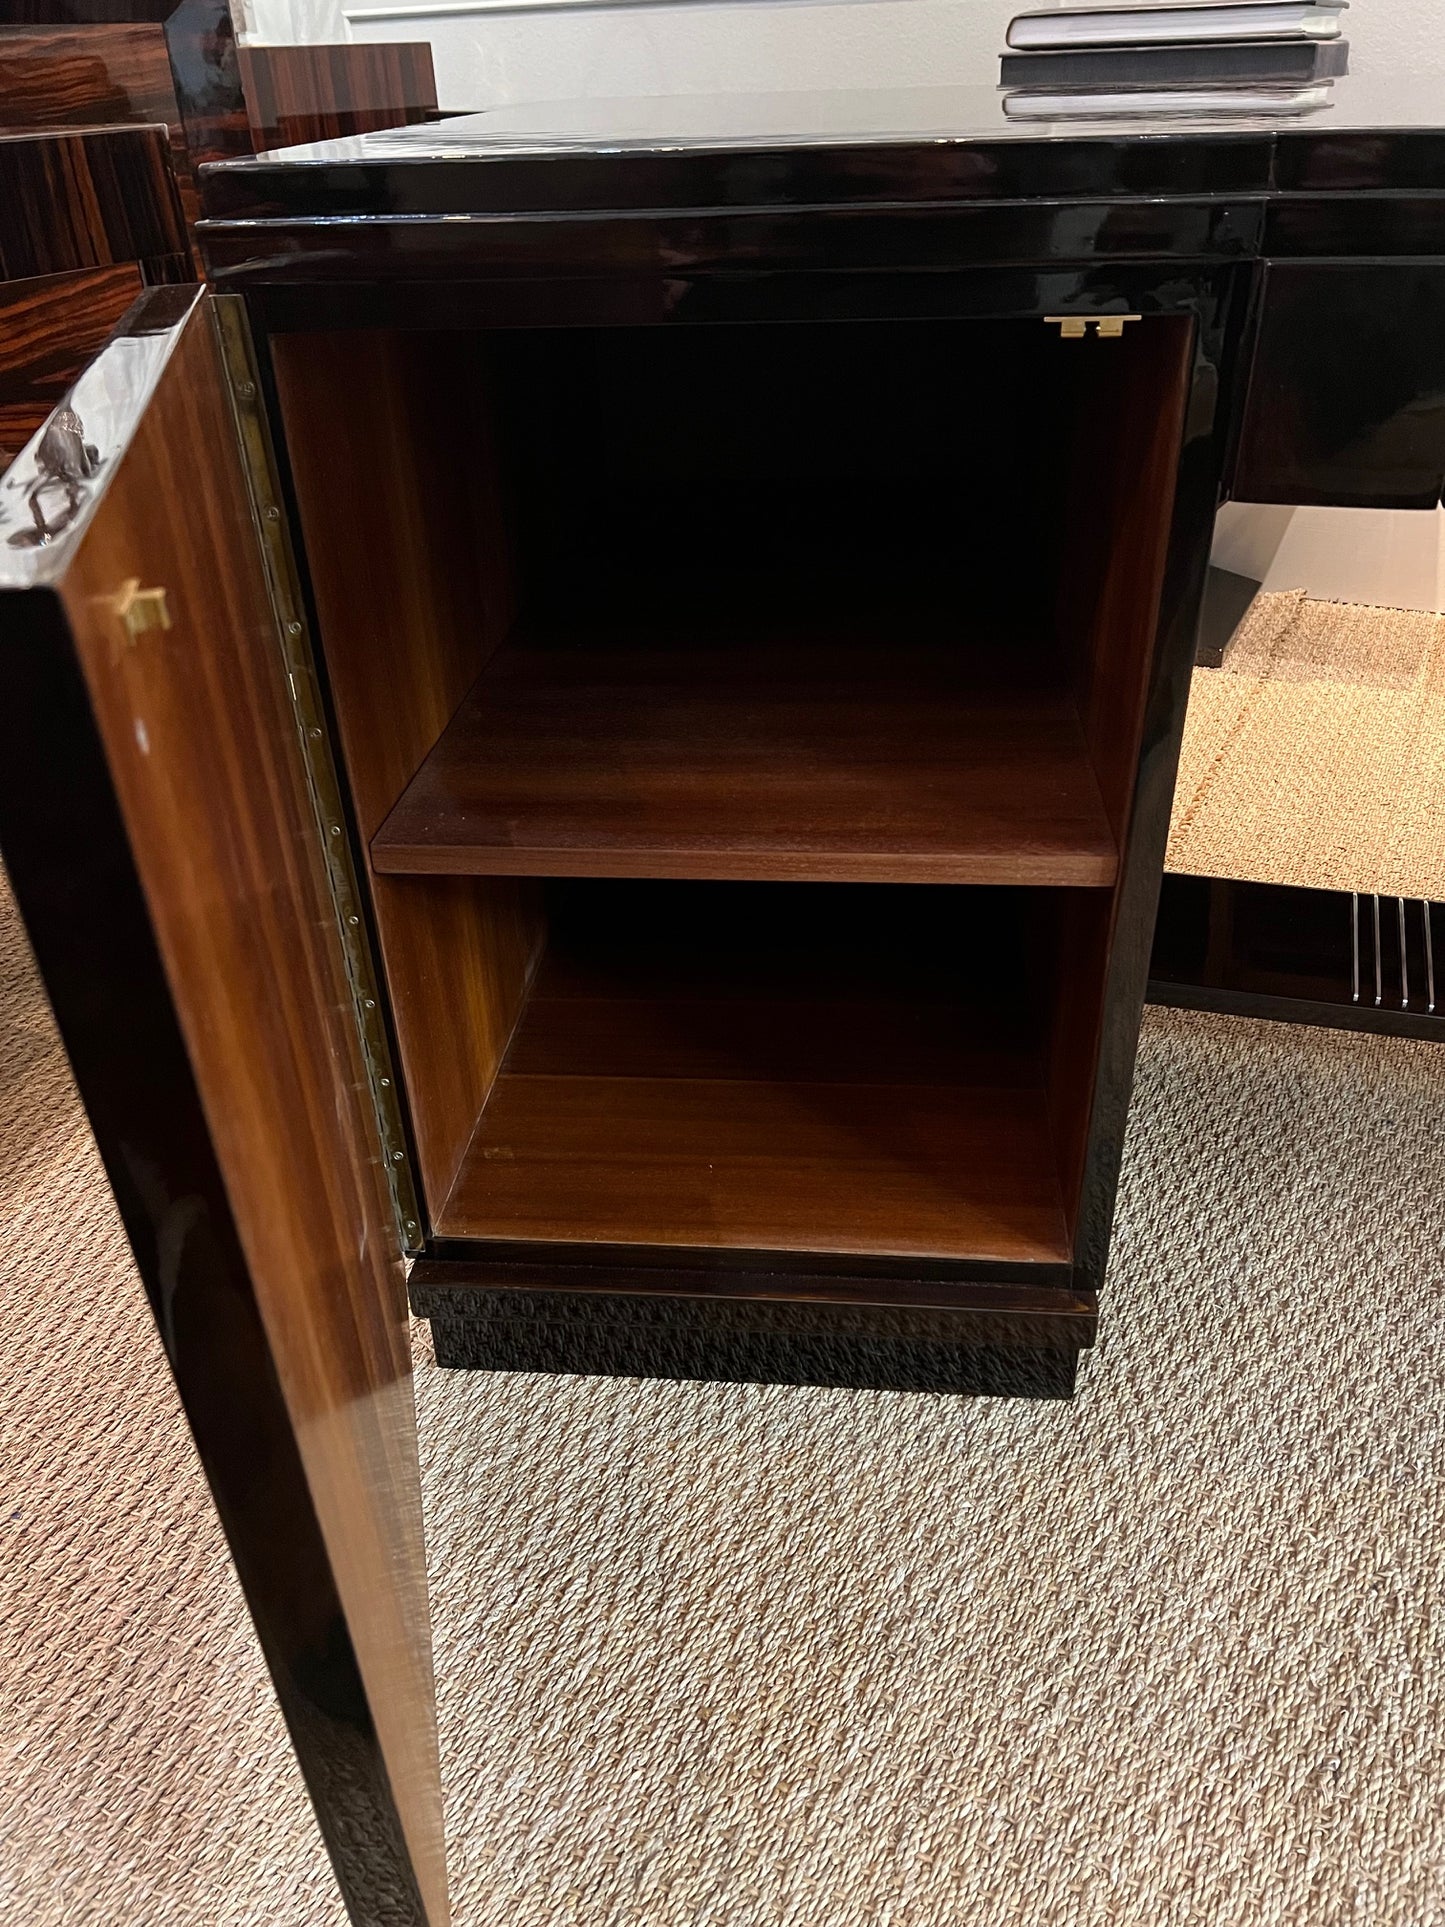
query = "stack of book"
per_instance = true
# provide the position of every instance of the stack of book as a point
(1234, 58)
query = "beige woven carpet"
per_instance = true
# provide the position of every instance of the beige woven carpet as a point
(144, 1771)
(746, 1657)
(1316, 755)
(1171, 1654)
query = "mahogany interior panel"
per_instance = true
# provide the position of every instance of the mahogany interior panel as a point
(393, 458)
(797, 608)
(1130, 403)
(775, 1068)
(821, 761)
(904, 1169)
(395, 464)
(1131, 395)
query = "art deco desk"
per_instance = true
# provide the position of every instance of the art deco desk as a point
(601, 710)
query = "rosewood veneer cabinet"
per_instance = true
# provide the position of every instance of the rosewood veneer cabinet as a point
(600, 710)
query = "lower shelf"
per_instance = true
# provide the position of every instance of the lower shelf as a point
(774, 1072)
(908, 1169)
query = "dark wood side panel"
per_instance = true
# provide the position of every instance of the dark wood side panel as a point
(1121, 494)
(91, 199)
(188, 705)
(406, 543)
(296, 94)
(411, 568)
(1126, 451)
(49, 329)
(94, 76)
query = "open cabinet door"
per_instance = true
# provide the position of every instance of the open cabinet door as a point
(155, 816)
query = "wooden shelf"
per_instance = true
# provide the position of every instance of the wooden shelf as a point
(774, 1109)
(765, 760)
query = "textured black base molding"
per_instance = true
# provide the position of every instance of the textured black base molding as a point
(1004, 1353)
(761, 1358)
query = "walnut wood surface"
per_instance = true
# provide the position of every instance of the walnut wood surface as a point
(1120, 507)
(393, 458)
(90, 198)
(773, 1068)
(49, 329)
(203, 752)
(912, 1169)
(458, 955)
(93, 76)
(763, 759)
(296, 94)
(1121, 497)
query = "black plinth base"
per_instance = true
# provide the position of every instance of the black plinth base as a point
(476, 1327)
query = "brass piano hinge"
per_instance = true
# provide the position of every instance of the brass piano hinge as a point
(1073, 327)
(293, 631)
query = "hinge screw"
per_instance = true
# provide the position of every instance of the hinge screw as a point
(385, 1083)
(273, 515)
(336, 829)
(314, 734)
(293, 628)
(398, 1157)
(369, 1003)
(245, 389)
(353, 919)
(411, 1224)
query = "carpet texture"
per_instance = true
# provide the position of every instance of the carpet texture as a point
(1316, 754)
(721, 1656)
(145, 1775)
(772, 1657)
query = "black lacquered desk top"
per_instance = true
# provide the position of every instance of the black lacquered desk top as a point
(1380, 130)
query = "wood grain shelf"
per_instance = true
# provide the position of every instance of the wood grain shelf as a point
(681, 1093)
(809, 762)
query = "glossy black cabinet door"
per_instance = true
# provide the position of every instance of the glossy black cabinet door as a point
(1346, 396)
(158, 828)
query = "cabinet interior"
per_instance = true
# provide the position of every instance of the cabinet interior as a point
(741, 723)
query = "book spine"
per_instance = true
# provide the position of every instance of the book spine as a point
(1261, 63)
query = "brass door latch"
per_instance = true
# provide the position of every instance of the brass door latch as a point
(1073, 327)
(139, 609)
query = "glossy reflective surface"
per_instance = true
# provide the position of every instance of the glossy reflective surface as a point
(1376, 94)
(161, 837)
(73, 199)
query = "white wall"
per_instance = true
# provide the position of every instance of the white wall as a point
(505, 58)
(519, 55)
(724, 46)
(1392, 558)
(297, 23)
